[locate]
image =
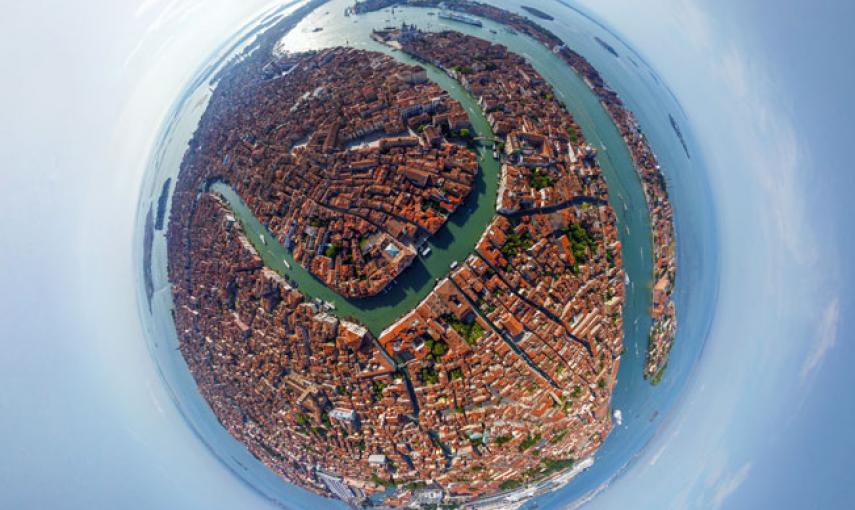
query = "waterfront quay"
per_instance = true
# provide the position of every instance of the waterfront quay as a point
(500, 376)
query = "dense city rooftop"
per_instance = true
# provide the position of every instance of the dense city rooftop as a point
(502, 375)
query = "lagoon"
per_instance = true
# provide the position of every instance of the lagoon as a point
(643, 407)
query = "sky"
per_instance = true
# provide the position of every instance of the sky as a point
(764, 422)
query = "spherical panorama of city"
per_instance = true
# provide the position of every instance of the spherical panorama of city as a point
(427, 255)
(424, 254)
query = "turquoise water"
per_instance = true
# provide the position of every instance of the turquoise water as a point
(643, 406)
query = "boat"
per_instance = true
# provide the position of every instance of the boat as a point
(618, 416)
(263, 240)
(493, 31)
(426, 251)
(460, 18)
(453, 265)
(286, 263)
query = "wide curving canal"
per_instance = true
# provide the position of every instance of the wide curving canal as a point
(454, 241)
(643, 406)
(457, 239)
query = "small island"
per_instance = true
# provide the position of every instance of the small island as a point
(161, 204)
(537, 12)
(608, 47)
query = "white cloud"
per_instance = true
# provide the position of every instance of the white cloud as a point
(657, 455)
(729, 485)
(146, 6)
(826, 338)
(589, 496)
(733, 69)
(694, 22)
(771, 150)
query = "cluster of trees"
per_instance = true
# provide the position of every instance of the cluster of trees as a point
(470, 331)
(539, 180)
(581, 241)
(515, 243)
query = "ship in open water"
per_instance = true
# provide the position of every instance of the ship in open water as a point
(461, 18)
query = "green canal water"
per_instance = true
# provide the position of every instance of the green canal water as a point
(457, 239)
(644, 406)
(454, 242)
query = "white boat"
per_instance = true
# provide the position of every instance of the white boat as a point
(286, 263)
(460, 18)
(618, 416)
(453, 264)
(426, 251)
(261, 236)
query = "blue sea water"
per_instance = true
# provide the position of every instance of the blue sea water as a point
(643, 407)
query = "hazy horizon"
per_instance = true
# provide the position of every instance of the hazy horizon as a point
(762, 421)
